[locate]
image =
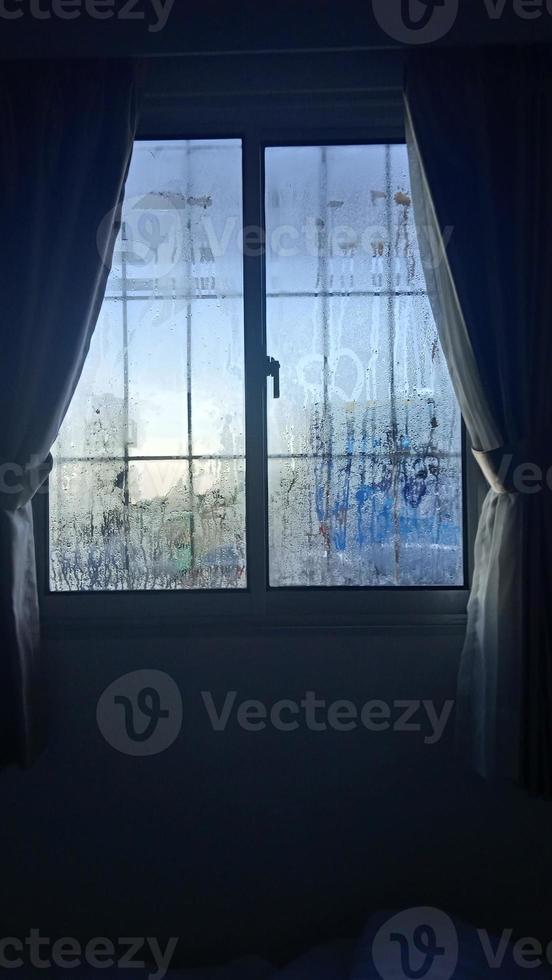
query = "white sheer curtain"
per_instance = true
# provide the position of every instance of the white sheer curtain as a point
(480, 146)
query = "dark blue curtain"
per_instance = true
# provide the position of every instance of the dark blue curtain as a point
(67, 135)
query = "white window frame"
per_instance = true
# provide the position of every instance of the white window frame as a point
(322, 122)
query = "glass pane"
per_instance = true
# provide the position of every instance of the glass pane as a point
(86, 502)
(161, 396)
(364, 445)
(94, 424)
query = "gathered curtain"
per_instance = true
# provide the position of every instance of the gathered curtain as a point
(67, 130)
(479, 133)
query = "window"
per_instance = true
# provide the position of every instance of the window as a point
(364, 444)
(355, 466)
(148, 489)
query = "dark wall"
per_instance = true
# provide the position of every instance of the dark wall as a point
(252, 25)
(262, 842)
(242, 842)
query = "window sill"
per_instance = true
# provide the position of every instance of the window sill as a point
(54, 626)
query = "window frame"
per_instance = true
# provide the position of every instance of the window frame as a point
(299, 122)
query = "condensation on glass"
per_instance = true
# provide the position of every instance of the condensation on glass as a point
(364, 445)
(148, 485)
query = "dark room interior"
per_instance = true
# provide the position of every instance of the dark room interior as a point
(276, 489)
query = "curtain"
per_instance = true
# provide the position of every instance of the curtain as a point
(66, 138)
(479, 132)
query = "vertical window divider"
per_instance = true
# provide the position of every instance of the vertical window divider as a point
(255, 371)
(126, 466)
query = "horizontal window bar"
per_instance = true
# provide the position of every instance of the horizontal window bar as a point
(360, 294)
(439, 454)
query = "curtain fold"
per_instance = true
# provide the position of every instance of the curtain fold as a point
(479, 132)
(67, 135)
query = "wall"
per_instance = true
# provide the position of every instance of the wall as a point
(257, 842)
(261, 842)
(134, 28)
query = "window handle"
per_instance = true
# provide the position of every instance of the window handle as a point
(273, 371)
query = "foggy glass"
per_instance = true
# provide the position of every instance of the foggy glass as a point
(148, 485)
(364, 444)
